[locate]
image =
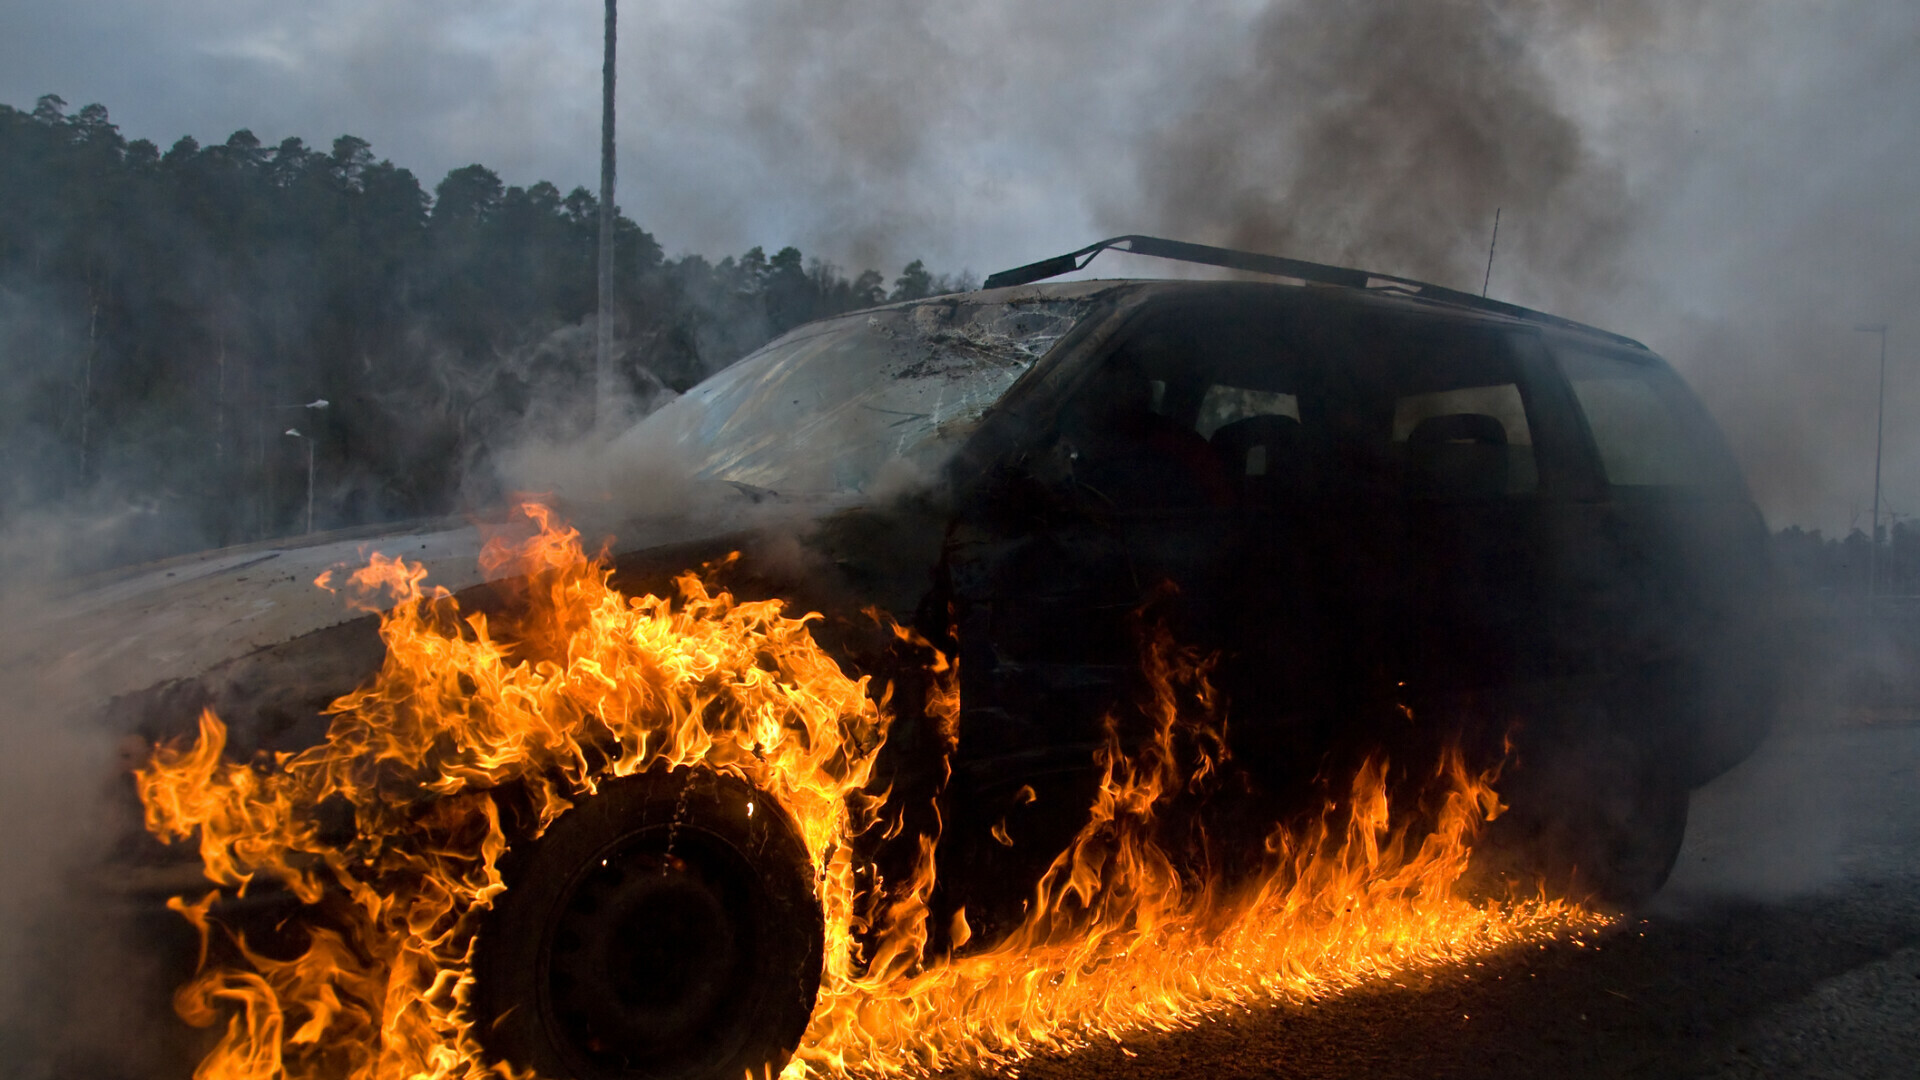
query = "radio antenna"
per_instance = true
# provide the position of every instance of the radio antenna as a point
(1491, 244)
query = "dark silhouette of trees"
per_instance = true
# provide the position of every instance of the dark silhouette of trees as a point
(913, 283)
(1840, 568)
(164, 315)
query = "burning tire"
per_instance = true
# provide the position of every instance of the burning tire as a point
(667, 927)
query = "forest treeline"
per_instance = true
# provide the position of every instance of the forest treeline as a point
(1845, 570)
(167, 316)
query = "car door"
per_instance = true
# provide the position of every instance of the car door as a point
(1110, 515)
(1393, 530)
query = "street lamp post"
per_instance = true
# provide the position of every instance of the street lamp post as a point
(603, 322)
(315, 404)
(308, 439)
(1879, 430)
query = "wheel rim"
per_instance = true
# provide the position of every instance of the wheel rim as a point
(648, 964)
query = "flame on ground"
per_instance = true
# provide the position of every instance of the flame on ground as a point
(589, 684)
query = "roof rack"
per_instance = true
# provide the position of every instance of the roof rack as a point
(1316, 273)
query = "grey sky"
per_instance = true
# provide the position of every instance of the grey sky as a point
(1732, 181)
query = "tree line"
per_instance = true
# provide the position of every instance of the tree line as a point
(166, 317)
(1844, 570)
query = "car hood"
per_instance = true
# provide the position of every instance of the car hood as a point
(139, 627)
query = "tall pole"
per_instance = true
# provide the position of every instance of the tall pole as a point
(295, 433)
(1879, 430)
(309, 486)
(603, 341)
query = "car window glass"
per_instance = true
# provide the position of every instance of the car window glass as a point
(841, 405)
(1450, 423)
(1645, 426)
(1222, 405)
(1295, 405)
(1129, 452)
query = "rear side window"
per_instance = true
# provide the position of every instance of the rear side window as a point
(1443, 433)
(1645, 424)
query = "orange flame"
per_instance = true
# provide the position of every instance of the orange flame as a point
(590, 684)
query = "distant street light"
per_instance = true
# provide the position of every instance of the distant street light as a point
(315, 404)
(308, 439)
(1879, 429)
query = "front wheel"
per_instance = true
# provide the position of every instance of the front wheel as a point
(665, 928)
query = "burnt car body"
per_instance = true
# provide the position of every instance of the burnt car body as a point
(1395, 515)
(1353, 488)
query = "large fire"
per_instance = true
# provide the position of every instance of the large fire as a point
(587, 685)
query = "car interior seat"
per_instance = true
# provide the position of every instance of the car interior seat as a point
(1461, 455)
(1261, 454)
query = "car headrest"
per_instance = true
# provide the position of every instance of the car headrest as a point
(1459, 456)
(1279, 434)
(1457, 428)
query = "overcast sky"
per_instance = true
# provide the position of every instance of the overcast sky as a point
(1735, 185)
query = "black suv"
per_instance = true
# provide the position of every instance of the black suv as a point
(1395, 516)
(1362, 492)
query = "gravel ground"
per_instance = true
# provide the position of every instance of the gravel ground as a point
(1786, 944)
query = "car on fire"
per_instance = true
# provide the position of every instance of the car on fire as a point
(1391, 516)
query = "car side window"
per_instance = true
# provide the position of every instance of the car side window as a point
(1222, 405)
(1645, 426)
(1127, 450)
(1249, 430)
(1469, 441)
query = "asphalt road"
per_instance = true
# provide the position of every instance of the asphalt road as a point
(1786, 944)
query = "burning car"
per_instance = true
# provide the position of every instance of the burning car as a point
(1144, 605)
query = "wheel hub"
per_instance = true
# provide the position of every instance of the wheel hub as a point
(648, 959)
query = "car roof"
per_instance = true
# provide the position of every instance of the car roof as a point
(1391, 296)
(1270, 267)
